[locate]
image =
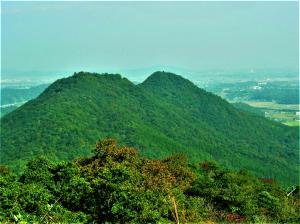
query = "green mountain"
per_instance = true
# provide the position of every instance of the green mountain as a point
(246, 107)
(165, 114)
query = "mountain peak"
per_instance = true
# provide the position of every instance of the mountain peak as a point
(81, 80)
(163, 75)
(167, 84)
(166, 80)
(83, 74)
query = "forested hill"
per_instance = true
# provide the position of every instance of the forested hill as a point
(166, 114)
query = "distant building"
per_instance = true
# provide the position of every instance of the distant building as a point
(262, 83)
(256, 87)
(267, 114)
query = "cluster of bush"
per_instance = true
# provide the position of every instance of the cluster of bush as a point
(116, 185)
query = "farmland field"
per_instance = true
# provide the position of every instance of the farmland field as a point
(273, 106)
(284, 113)
(292, 123)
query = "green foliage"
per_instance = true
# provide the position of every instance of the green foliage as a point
(246, 107)
(38, 170)
(32, 202)
(117, 185)
(166, 114)
(270, 203)
(242, 197)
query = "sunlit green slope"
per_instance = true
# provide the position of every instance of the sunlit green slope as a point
(165, 114)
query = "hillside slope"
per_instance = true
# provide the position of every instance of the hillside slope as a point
(166, 114)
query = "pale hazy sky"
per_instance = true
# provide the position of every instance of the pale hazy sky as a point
(64, 36)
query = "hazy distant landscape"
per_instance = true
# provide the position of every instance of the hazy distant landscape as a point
(274, 96)
(149, 112)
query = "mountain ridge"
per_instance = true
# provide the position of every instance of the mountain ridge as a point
(155, 116)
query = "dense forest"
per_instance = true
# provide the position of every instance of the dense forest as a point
(117, 185)
(164, 115)
(246, 107)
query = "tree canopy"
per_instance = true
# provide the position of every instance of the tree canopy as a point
(117, 185)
